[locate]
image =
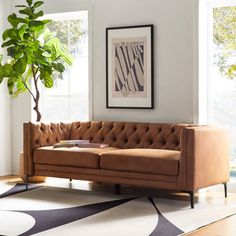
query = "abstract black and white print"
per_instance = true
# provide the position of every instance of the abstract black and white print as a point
(129, 67)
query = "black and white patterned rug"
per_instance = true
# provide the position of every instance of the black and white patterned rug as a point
(64, 211)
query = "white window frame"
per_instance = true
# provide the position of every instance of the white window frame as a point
(205, 55)
(55, 7)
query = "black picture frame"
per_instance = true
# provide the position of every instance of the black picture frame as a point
(130, 67)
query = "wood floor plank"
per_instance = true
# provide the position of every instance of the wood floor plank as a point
(225, 227)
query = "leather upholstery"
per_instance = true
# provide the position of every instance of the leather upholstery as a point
(107, 179)
(129, 135)
(150, 161)
(79, 157)
(201, 154)
(106, 173)
(38, 135)
(116, 134)
(205, 157)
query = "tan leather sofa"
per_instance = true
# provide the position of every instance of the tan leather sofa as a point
(163, 156)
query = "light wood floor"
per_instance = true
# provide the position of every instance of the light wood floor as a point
(225, 227)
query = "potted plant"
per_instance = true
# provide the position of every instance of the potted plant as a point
(36, 55)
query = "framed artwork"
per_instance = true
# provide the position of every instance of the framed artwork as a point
(129, 67)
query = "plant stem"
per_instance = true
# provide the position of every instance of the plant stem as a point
(37, 96)
(28, 89)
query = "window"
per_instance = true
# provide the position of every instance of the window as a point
(219, 60)
(69, 98)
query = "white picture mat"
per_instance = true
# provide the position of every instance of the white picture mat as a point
(127, 101)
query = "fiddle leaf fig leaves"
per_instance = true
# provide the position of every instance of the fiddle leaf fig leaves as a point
(35, 52)
(5, 34)
(22, 31)
(8, 43)
(13, 20)
(46, 78)
(20, 6)
(37, 15)
(20, 66)
(38, 4)
(25, 11)
(15, 52)
(29, 2)
(58, 67)
(36, 25)
(10, 85)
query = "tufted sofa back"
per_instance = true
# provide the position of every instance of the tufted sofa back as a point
(41, 135)
(129, 134)
(116, 134)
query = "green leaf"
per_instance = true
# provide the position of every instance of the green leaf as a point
(13, 20)
(15, 52)
(22, 20)
(28, 75)
(20, 6)
(5, 70)
(47, 21)
(22, 30)
(13, 34)
(8, 43)
(231, 73)
(58, 67)
(25, 11)
(16, 93)
(67, 58)
(38, 4)
(36, 25)
(29, 2)
(46, 79)
(5, 34)
(26, 36)
(42, 61)
(20, 65)
(38, 14)
(48, 82)
(10, 85)
(20, 85)
(48, 69)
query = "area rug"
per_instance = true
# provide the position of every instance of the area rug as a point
(47, 210)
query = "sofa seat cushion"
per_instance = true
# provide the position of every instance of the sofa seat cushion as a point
(153, 161)
(73, 156)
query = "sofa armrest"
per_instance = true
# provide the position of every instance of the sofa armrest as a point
(204, 157)
(38, 135)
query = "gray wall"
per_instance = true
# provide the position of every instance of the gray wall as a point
(174, 22)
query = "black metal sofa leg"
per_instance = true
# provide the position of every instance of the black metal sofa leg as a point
(191, 195)
(26, 182)
(225, 188)
(117, 189)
